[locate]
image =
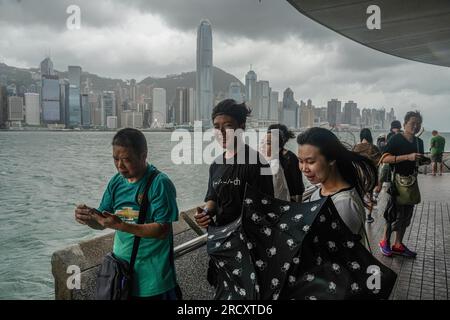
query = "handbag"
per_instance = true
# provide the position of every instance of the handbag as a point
(407, 187)
(408, 192)
(115, 276)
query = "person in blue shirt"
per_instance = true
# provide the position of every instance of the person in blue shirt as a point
(154, 276)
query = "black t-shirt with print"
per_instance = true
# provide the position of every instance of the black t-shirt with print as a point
(227, 182)
(294, 178)
(398, 145)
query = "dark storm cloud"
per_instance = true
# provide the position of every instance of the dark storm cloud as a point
(273, 20)
(138, 38)
(53, 13)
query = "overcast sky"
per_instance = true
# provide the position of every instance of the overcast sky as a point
(139, 38)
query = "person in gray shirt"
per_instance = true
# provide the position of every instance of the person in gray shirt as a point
(343, 175)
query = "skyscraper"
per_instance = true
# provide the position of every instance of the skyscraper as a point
(390, 116)
(334, 112)
(32, 112)
(204, 88)
(290, 111)
(250, 88)
(64, 101)
(3, 106)
(274, 97)
(74, 96)
(351, 113)
(51, 100)
(15, 109)
(133, 90)
(47, 67)
(159, 107)
(192, 97)
(108, 106)
(183, 105)
(234, 92)
(261, 109)
(85, 110)
(96, 110)
(132, 119)
(306, 114)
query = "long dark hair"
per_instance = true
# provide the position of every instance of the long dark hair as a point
(284, 133)
(356, 170)
(366, 134)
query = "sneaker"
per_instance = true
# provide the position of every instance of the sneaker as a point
(385, 248)
(370, 219)
(402, 250)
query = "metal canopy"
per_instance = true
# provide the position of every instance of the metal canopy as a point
(418, 30)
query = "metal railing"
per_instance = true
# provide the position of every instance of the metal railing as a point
(199, 242)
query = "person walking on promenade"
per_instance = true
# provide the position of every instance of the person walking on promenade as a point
(343, 175)
(404, 152)
(396, 127)
(288, 179)
(154, 270)
(367, 149)
(231, 171)
(381, 142)
(437, 148)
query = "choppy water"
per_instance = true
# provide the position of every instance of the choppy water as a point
(43, 175)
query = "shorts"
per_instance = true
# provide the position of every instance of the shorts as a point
(436, 157)
(403, 217)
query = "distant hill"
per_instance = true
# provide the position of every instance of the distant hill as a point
(221, 80)
(22, 77)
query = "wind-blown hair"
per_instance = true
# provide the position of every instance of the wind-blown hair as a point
(355, 169)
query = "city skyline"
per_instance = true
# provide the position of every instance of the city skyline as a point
(133, 105)
(300, 54)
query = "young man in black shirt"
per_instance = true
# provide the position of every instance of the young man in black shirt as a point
(405, 153)
(230, 172)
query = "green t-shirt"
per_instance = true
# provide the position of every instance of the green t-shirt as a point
(154, 267)
(437, 145)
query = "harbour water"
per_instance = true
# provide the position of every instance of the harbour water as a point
(43, 175)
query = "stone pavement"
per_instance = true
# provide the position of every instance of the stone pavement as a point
(428, 276)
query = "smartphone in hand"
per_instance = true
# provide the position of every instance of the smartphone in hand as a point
(97, 212)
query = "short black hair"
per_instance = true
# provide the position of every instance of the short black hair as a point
(413, 114)
(238, 111)
(396, 124)
(132, 139)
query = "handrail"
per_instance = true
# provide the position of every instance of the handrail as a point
(199, 242)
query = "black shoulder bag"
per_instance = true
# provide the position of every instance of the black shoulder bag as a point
(115, 276)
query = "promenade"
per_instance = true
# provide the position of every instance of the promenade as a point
(427, 277)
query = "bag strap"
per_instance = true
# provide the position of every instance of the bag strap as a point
(384, 155)
(141, 219)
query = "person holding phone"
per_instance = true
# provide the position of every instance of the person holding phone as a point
(404, 152)
(230, 172)
(154, 270)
